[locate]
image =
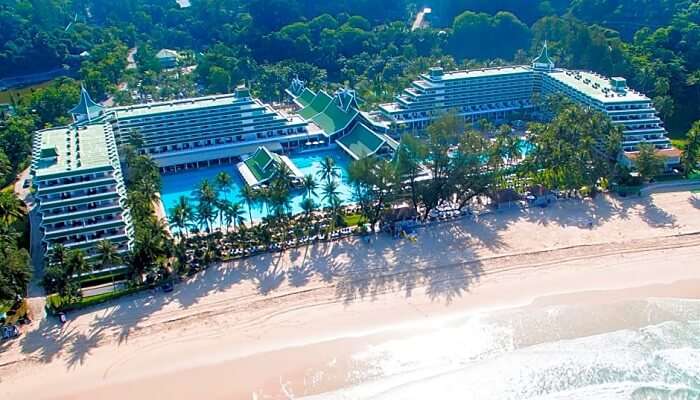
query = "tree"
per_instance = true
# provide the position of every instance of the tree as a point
(64, 271)
(11, 207)
(15, 272)
(328, 171)
(107, 253)
(219, 80)
(375, 182)
(309, 185)
(470, 175)
(491, 30)
(691, 152)
(308, 206)
(409, 158)
(182, 216)
(331, 194)
(576, 149)
(250, 197)
(206, 198)
(647, 162)
(53, 101)
(151, 245)
(235, 214)
(224, 182)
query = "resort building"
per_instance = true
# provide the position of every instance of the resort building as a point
(167, 58)
(339, 117)
(363, 142)
(197, 132)
(80, 191)
(263, 165)
(494, 93)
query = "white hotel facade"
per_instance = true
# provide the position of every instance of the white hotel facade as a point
(493, 93)
(76, 170)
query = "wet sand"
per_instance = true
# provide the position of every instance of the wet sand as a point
(293, 323)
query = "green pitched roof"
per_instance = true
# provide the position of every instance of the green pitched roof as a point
(333, 119)
(306, 97)
(346, 98)
(262, 163)
(318, 104)
(361, 142)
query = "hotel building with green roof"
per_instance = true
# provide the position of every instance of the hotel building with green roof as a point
(494, 93)
(79, 189)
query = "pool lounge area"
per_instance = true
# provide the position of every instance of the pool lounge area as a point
(184, 183)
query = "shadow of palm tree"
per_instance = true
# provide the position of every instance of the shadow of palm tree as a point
(655, 216)
(300, 275)
(269, 280)
(695, 201)
(81, 347)
(450, 282)
(47, 340)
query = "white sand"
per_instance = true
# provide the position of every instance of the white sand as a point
(237, 328)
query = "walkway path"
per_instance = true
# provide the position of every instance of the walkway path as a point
(420, 21)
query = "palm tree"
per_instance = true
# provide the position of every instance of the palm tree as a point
(10, 207)
(283, 176)
(206, 213)
(75, 266)
(224, 182)
(151, 245)
(182, 216)
(236, 214)
(107, 253)
(222, 205)
(250, 197)
(58, 255)
(309, 185)
(206, 196)
(330, 193)
(328, 170)
(308, 206)
(280, 193)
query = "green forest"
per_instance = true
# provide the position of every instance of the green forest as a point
(368, 45)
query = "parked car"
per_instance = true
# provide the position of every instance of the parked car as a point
(27, 183)
(9, 332)
(167, 287)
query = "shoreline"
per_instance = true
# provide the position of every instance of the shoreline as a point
(258, 369)
(277, 316)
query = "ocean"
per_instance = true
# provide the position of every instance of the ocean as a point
(645, 349)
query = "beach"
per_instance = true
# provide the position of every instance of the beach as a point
(350, 319)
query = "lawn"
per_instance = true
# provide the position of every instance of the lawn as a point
(57, 303)
(17, 93)
(352, 219)
(679, 143)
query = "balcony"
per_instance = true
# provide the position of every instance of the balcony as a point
(81, 229)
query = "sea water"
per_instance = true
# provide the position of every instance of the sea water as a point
(629, 350)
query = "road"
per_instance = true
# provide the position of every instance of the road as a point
(420, 21)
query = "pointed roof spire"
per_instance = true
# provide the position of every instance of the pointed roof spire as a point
(297, 86)
(346, 98)
(543, 62)
(86, 109)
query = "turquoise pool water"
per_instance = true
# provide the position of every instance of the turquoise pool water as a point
(184, 183)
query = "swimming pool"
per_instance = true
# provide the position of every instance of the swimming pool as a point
(184, 183)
